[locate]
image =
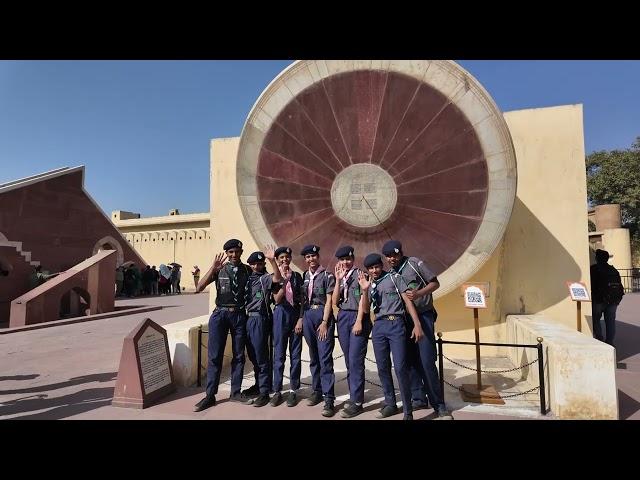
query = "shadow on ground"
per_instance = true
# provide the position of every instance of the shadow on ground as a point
(627, 405)
(96, 377)
(58, 407)
(20, 377)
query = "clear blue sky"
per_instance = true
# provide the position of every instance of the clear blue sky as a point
(142, 126)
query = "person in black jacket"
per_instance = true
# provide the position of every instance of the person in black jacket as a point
(606, 295)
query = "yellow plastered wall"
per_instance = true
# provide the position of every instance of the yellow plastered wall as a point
(225, 208)
(546, 242)
(455, 321)
(186, 246)
(617, 242)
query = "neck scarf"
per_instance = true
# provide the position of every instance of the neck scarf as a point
(373, 293)
(344, 283)
(312, 277)
(288, 290)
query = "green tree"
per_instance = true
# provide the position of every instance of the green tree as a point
(614, 177)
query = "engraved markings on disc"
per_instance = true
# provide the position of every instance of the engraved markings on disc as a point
(364, 195)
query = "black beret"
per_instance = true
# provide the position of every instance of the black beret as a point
(233, 243)
(372, 259)
(391, 247)
(346, 251)
(281, 250)
(255, 257)
(310, 249)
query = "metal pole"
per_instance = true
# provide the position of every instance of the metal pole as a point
(579, 316)
(477, 332)
(440, 364)
(543, 403)
(199, 353)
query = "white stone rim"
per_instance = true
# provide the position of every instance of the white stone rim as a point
(451, 80)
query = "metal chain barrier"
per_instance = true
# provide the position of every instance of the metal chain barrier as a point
(371, 382)
(379, 386)
(540, 388)
(338, 381)
(443, 381)
(246, 376)
(491, 371)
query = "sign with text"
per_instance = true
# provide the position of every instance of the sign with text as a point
(484, 286)
(145, 373)
(474, 297)
(578, 291)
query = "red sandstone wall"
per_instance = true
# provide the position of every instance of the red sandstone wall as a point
(56, 221)
(16, 283)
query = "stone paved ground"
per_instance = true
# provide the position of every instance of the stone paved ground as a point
(69, 372)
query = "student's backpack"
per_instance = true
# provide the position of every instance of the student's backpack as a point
(614, 290)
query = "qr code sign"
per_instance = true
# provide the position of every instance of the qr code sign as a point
(578, 292)
(474, 297)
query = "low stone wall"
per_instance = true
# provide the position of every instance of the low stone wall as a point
(579, 371)
(183, 346)
(92, 280)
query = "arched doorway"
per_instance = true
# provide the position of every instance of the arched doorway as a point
(75, 303)
(5, 268)
(109, 243)
(6, 295)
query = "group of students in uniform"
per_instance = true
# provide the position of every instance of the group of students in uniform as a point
(395, 306)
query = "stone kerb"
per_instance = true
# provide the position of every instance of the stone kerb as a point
(579, 370)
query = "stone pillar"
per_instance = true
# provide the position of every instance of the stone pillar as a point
(607, 216)
(617, 242)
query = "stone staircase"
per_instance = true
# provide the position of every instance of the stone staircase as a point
(18, 246)
(19, 266)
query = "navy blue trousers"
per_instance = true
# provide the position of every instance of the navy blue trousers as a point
(285, 318)
(320, 352)
(389, 337)
(354, 348)
(221, 323)
(425, 381)
(258, 328)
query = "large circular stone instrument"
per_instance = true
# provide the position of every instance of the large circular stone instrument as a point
(358, 152)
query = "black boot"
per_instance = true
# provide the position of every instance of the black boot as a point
(262, 400)
(314, 399)
(252, 391)
(206, 402)
(328, 410)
